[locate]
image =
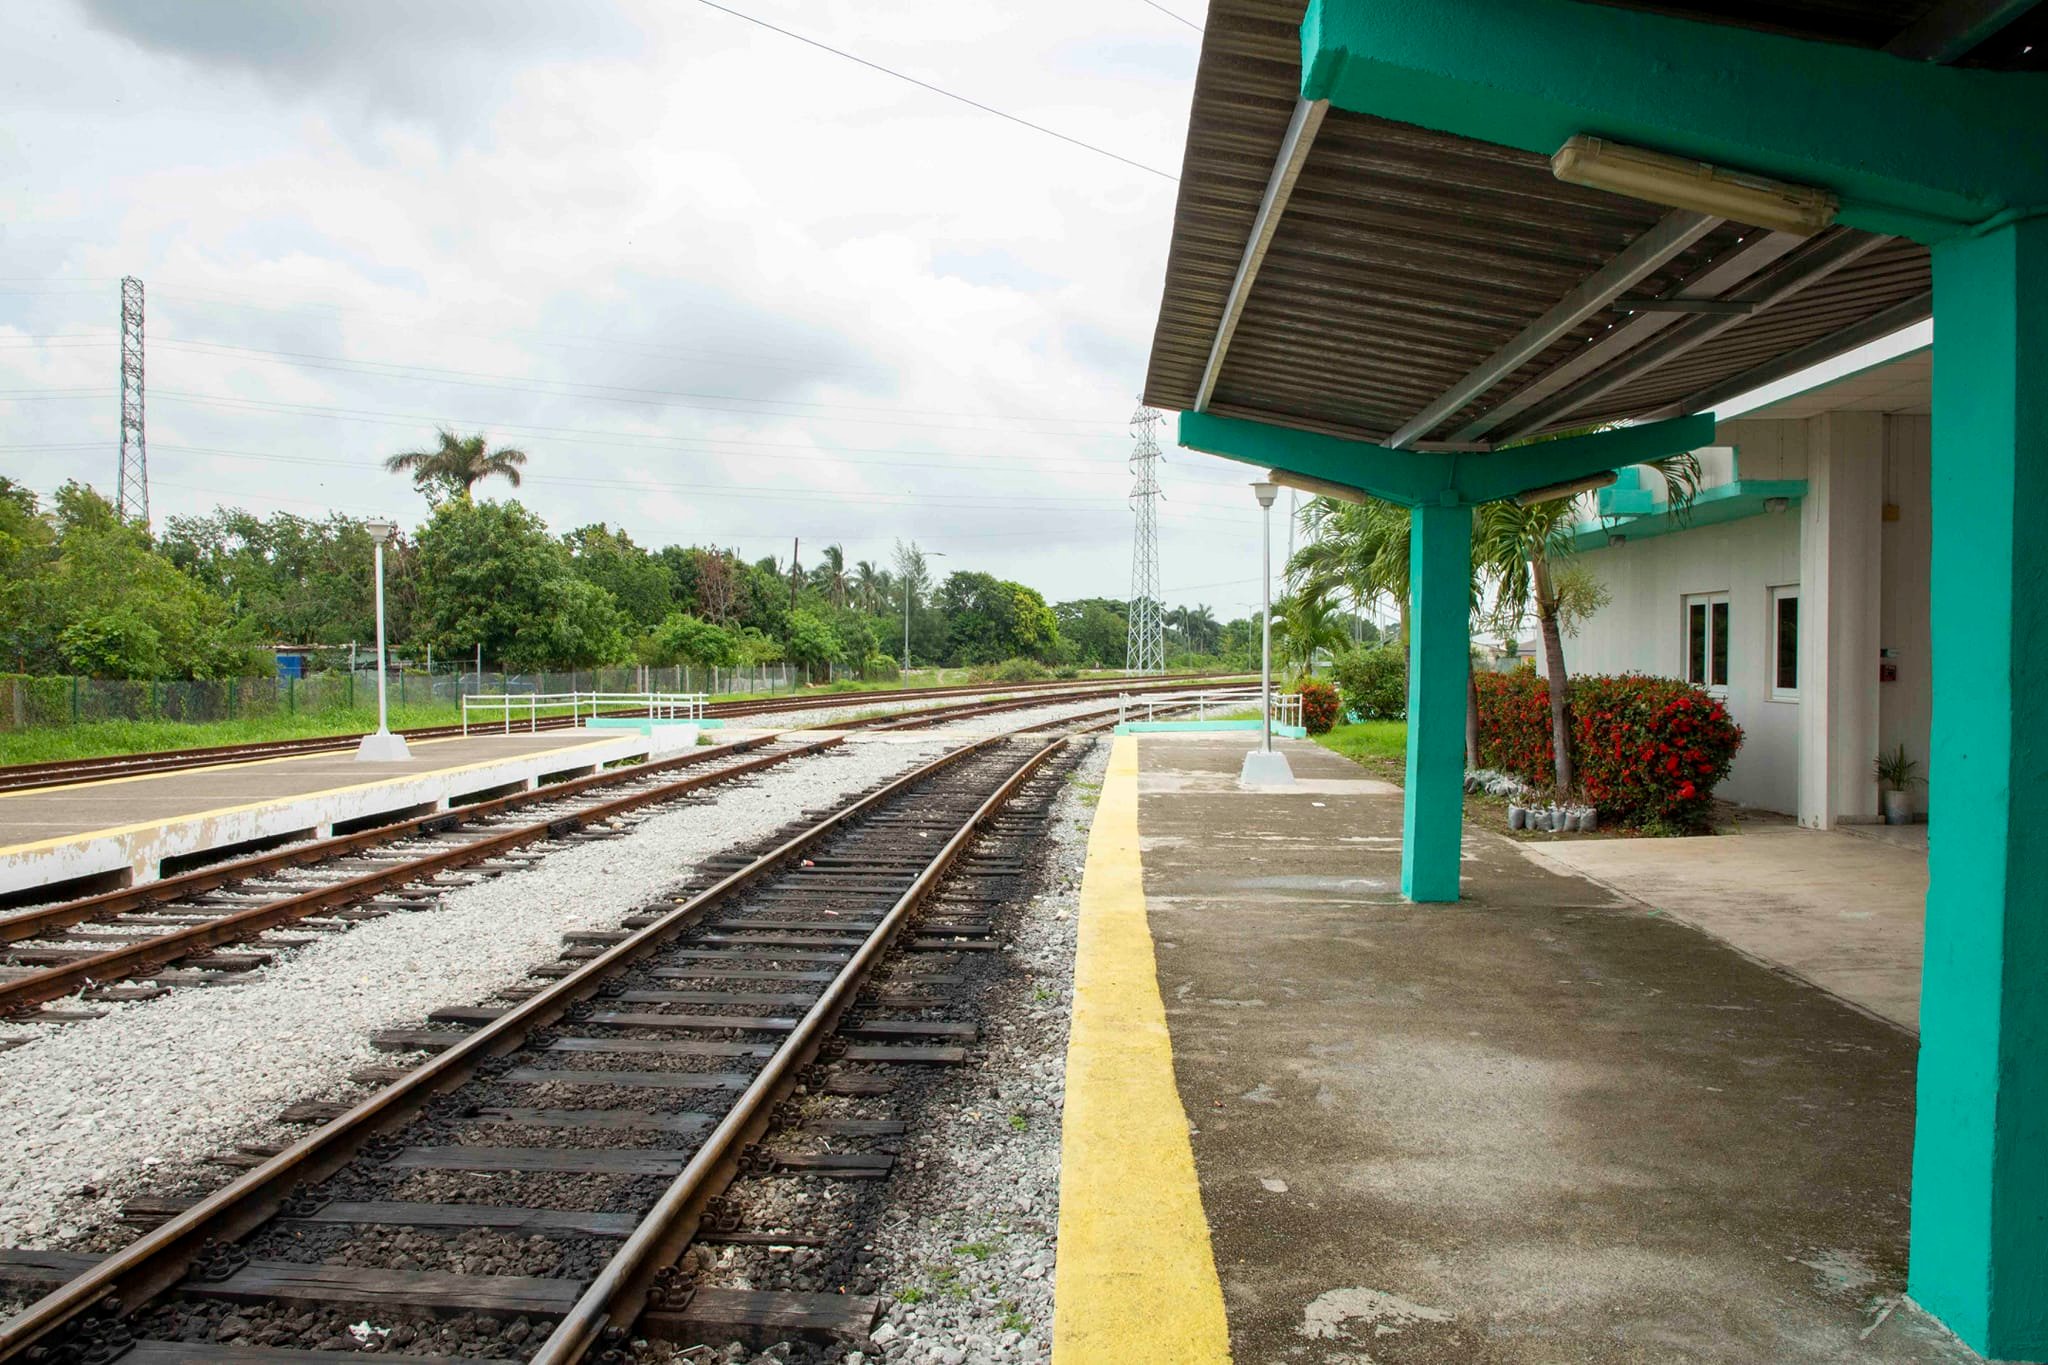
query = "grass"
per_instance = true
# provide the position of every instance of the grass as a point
(1369, 740)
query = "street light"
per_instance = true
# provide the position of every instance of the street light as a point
(1266, 766)
(928, 554)
(383, 746)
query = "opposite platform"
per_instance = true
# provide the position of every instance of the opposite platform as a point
(99, 836)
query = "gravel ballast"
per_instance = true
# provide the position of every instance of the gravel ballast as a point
(94, 1112)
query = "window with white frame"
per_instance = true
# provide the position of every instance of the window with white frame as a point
(1785, 643)
(1706, 639)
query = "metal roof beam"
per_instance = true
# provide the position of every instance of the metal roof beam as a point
(1294, 150)
(1673, 233)
(1828, 255)
(1900, 315)
(1416, 477)
(1912, 149)
(1955, 28)
(1716, 279)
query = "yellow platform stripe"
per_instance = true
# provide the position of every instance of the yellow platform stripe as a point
(1136, 1282)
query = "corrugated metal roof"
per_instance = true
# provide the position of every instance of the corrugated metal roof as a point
(1407, 256)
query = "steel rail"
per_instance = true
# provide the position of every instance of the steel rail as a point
(160, 1259)
(17, 777)
(25, 924)
(151, 954)
(614, 1300)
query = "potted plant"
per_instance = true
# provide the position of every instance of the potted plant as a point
(1896, 775)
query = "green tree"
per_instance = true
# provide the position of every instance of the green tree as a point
(637, 581)
(1305, 625)
(27, 548)
(294, 580)
(811, 643)
(1096, 629)
(829, 576)
(685, 639)
(490, 574)
(456, 465)
(110, 605)
(990, 619)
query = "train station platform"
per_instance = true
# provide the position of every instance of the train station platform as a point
(100, 836)
(1307, 1120)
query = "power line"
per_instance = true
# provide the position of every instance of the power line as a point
(569, 388)
(939, 90)
(1171, 15)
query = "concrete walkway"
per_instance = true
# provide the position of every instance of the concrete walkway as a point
(1541, 1125)
(1843, 909)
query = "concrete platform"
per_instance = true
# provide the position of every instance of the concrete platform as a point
(1844, 908)
(1542, 1125)
(99, 836)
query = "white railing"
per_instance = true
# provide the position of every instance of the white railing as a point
(1207, 705)
(500, 710)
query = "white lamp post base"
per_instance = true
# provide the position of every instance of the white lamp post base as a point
(1263, 768)
(383, 747)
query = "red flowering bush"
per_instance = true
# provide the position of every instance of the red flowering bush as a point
(1648, 751)
(1318, 706)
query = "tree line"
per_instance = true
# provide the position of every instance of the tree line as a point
(83, 592)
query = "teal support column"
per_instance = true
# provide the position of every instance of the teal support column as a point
(1439, 656)
(1980, 1154)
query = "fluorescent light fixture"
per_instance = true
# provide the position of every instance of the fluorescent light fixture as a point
(1684, 184)
(1322, 488)
(1570, 489)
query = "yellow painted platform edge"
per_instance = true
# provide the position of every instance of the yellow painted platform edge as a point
(110, 831)
(1136, 1279)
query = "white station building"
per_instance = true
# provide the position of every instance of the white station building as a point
(1795, 588)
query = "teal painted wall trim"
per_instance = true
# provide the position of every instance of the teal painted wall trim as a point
(1713, 507)
(1414, 477)
(1980, 1152)
(1439, 658)
(1910, 147)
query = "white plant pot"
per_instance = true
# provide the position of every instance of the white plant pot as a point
(1898, 808)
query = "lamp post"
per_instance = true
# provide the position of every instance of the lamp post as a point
(382, 746)
(928, 554)
(1265, 766)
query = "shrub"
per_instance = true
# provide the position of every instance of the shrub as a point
(1318, 706)
(1373, 682)
(1648, 751)
(880, 668)
(1009, 670)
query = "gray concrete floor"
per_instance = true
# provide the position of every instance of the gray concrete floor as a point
(1542, 1125)
(1844, 908)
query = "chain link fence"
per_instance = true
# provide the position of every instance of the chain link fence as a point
(30, 703)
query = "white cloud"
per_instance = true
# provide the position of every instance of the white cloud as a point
(721, 286)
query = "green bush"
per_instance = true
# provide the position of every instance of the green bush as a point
(880, 668)
(1318, 706)
(1009, 670)
(1373, 682)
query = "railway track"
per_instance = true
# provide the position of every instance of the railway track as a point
(580, 1132)
(173, 931)
(66, 772)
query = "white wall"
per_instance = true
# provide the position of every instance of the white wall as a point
(1642, 631)
(1905, 707)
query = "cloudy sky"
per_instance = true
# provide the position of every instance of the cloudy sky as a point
(722, 286)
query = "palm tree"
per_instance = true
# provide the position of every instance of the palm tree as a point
(456, 466)
(829, 575)
(869, 585)
(1202, 624)
(1304, 625)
